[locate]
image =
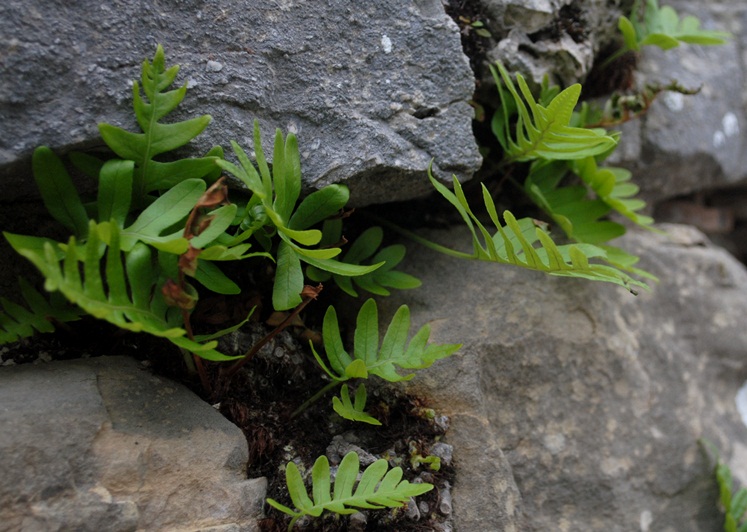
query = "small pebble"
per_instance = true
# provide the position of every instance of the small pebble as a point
(214, 66)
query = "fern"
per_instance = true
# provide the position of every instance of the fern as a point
(157, 138)
(273, 205)
(18, 322)
(354, 411)
(663, 27)
(367, 247)
(126, 296)
(542, 131)
(376, 489)
(514, 243)
(370, 358)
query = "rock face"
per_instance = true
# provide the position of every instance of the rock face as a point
(100, 444)
(559, 38)
(576, 406)
(374, 91)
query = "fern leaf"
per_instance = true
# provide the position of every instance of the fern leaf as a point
(39, 314)
(548, 257)
(663, 27)
(368, 357)
(612, 186)
(367, 248)
(139, 308)
(157, 137)
(346, 409)
(543, 132)
(376, 489)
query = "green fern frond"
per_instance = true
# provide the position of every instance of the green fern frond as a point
(612, 186)
(370, 358)
(367, 247)
(542, 131)
(663, 27)
(570, 206)
(126, 293)
(514, 243)
(354, 411)
(275, 194)
(39, 314)
(157, 137)
(376, 489)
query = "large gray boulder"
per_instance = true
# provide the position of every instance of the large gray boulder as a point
(577, 406)
(374, 91)
(101, 444)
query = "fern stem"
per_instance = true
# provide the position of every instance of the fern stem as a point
(309, 293)
(314, 398)
(419, 239)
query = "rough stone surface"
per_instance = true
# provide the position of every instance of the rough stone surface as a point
(100, 444)
(691, 143)
(576, 406)
(555, 37)
(374, 91)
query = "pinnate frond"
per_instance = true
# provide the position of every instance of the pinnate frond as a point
(542, 131)
(39, 314)
(379, 487)
(664, 28)
(124, 291)
(523, 243)
(371, 358)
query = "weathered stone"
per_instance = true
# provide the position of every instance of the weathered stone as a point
(99, 444)
(576, 406)
(691, 143)
(558, 38)
(374, 91)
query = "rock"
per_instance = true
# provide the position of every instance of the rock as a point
(373, 92)
(576, 406)
(692, 143)
(99, 444)
(558, 38)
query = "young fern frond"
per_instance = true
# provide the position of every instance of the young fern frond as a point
(514, 243)
(128, 293)
(370, 358)
(663, 27)
(40, 313)
(377, 488)
(275, 194)
(157, 137)
(542, 131)
(354, 411)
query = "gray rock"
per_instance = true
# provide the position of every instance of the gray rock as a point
(576, 406)
(99, 444)
(691, 143)
(373, 92)
(558, 38)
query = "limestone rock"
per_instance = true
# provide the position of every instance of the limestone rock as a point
(374, 92)
(577, 406)
(559, 38)
(99, 444)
